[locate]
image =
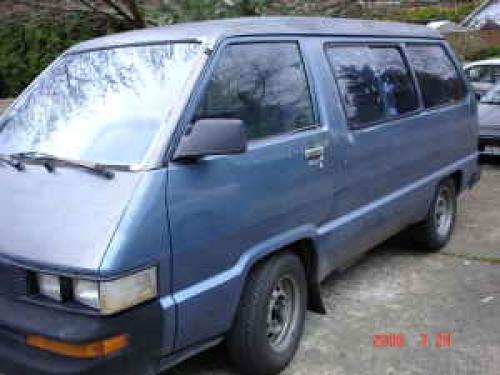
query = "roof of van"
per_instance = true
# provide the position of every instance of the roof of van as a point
(218, 29)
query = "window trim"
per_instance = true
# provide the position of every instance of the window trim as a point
(401, 48)
(460, 73)
(263, 40)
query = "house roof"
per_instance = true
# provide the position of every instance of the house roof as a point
(219, 29)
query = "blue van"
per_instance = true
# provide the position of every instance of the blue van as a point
(165, 190)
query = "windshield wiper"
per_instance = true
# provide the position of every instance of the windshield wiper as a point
(490, 102)
(50, 162)
(6, 159)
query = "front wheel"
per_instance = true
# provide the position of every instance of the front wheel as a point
(270, 320)
(435, 231)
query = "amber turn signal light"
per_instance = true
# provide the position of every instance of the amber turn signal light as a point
(91, 350)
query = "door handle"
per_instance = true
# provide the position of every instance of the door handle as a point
(314, 153)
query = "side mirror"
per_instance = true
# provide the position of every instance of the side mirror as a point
(212, 137)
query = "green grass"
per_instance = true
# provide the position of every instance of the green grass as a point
(478, 258)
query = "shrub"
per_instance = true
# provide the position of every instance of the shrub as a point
(436, 13)
(420, 14)
(172, 11)
(487, 53)
(28, 45)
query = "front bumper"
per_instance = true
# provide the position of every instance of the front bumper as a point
(17, 319)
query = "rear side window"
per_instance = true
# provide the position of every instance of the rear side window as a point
(374, 81)
(263, 84)
(437, 76)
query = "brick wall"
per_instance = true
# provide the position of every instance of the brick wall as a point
(490, 37)
(469, 43)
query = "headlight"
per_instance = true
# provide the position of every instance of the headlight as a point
(50, 286)
(129, 291)
(87, 293)
(110, 297)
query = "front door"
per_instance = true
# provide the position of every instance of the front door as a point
(222, 206)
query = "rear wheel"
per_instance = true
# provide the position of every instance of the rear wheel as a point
(435, 231)
(270, 320)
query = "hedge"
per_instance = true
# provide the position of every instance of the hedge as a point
(487, 53)
(425, 14)
(28, 45)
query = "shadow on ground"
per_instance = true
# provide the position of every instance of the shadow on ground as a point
(216, 361)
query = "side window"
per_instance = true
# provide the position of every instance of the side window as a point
(437, 76)
(398, 89)
(263, 84)
(480, 73)
(496, 73)
(374, 81)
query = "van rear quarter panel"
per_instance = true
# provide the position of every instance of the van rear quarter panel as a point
(389, 170)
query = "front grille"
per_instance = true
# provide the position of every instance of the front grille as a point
(13, 281)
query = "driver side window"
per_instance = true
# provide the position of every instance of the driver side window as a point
(263, 84)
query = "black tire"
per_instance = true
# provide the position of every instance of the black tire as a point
(253, 344)
(433, 233)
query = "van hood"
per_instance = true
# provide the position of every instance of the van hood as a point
(63, 220)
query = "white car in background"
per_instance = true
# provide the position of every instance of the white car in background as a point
(483, 74)
(489, 120)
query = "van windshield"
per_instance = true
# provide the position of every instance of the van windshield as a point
(102, 106)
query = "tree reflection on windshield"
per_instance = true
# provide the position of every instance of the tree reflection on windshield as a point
(102, 106)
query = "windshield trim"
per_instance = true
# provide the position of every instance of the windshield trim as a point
(72, 52)
(153, 157)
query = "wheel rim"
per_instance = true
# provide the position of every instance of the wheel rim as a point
(283, 313)
(443, 211)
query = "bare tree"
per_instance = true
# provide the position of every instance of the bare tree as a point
(127, 13)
